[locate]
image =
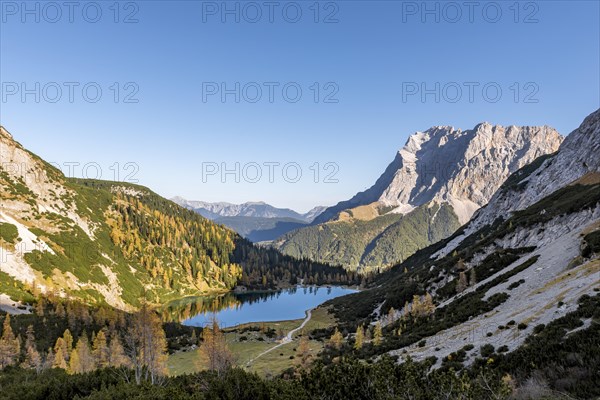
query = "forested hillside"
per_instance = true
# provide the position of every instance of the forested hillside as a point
(375, 244)
(107, 242)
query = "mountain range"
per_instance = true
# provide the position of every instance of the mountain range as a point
(433, 186)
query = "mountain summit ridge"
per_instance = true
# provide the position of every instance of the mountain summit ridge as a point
(446, 164)
(576, 157)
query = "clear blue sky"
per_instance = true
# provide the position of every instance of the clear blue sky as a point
(373, 56)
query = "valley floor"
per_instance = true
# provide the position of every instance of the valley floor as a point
(257, 353)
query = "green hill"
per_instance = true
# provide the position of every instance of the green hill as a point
(375, 243)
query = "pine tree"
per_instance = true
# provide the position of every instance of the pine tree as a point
(33, 359)
(472, 277)
(417, 306)
(378, 334)
(59, 310)
(49, 360)
(359, 337)
(214, 353)
(303, 354)
(10, 346)
(100, 350)
(40, 306)
(368, 336)
(462, 283)
(391, 315)
(68, 339)
(116, 352)
(74, 364)
(336, 340)
(60, 354)
(146, 345)
(428, 305)
(82, 360)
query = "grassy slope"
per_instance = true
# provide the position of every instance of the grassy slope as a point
(270, 364)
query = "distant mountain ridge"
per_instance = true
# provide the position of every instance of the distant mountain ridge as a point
(453, 169)
(259, 229)
(258, 209)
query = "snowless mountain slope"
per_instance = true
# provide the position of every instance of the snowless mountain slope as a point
(577, 156)
(101, 241)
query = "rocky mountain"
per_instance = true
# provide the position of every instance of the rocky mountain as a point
(256, 221)
(433, 186)
(524, 269)
(109, 242)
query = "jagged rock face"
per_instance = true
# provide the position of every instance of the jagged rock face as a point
(447, 165)
(577, 156)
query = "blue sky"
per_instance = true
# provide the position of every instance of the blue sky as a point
(361, 67)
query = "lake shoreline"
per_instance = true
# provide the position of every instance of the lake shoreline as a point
(250, 307)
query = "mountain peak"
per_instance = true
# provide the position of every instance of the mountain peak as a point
(576, 157)
(449, 165)
(255, 203)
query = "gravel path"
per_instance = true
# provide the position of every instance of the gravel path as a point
(287, 339)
